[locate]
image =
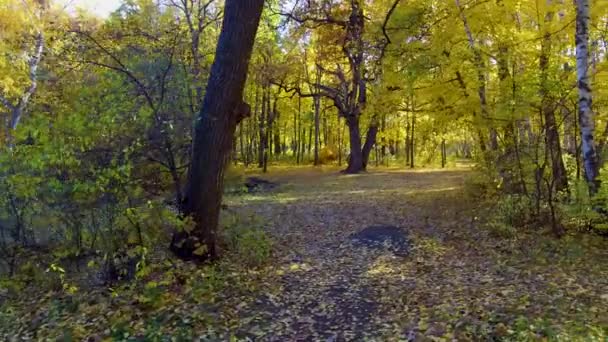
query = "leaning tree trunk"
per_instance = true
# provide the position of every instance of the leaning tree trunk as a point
(223, 108)
(585, 113)
(16, 110)
(370, 141)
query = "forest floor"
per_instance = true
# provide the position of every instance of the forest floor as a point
(456, 282)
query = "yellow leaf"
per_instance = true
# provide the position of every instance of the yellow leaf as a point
(200, 250)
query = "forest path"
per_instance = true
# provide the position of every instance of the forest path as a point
(457, 282)
(330, 288)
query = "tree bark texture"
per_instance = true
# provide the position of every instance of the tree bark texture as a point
(223, 108)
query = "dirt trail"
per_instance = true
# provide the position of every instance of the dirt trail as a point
(456, 281)
(332, 289)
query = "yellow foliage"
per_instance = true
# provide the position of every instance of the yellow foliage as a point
(328, 154)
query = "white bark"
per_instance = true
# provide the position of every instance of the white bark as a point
(16, 110)
(585, 114)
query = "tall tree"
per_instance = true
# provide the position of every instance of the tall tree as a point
(553, 150)
(481, 76)
(585, 112)
(223, 108)
(14, 100)
(354, 55)
(198, 15)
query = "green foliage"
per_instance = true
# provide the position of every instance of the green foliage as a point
(515, 210)
(525, 329)
(481, 185)
(247, 239)
(585, 213)
(92, 173)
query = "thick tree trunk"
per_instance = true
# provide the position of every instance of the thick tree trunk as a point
(340, 139)
(222, 110)
(370, 141)
(355, 159)
(585, 113)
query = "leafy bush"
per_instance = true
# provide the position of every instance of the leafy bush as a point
(247, 239)
(481, 185)
(510, 212)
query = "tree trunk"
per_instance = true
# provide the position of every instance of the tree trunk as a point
(383, 140)
(340, 139)
(277, 140)
(552, 141)
(585, 113)
(412, 141)
(317, 104)
(355, 159)
(303, 140)
(223, 108)
(407, 140)
(325, 130)
(242, 153)
(443, 154)
(17, 110)
(296, 131)
(285, 148)
(261, 130)
(310, 133)
(481, 76)
(370, 141)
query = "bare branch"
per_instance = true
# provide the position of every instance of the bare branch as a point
(387, 39)
(325, 19)
(122, 68)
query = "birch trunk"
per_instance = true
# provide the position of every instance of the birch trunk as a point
(585, 113)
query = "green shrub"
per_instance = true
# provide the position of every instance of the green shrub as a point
(510, 212)
(501, 230)
(481, 185)
(584, 213)
(515, 210)
(247, 239)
